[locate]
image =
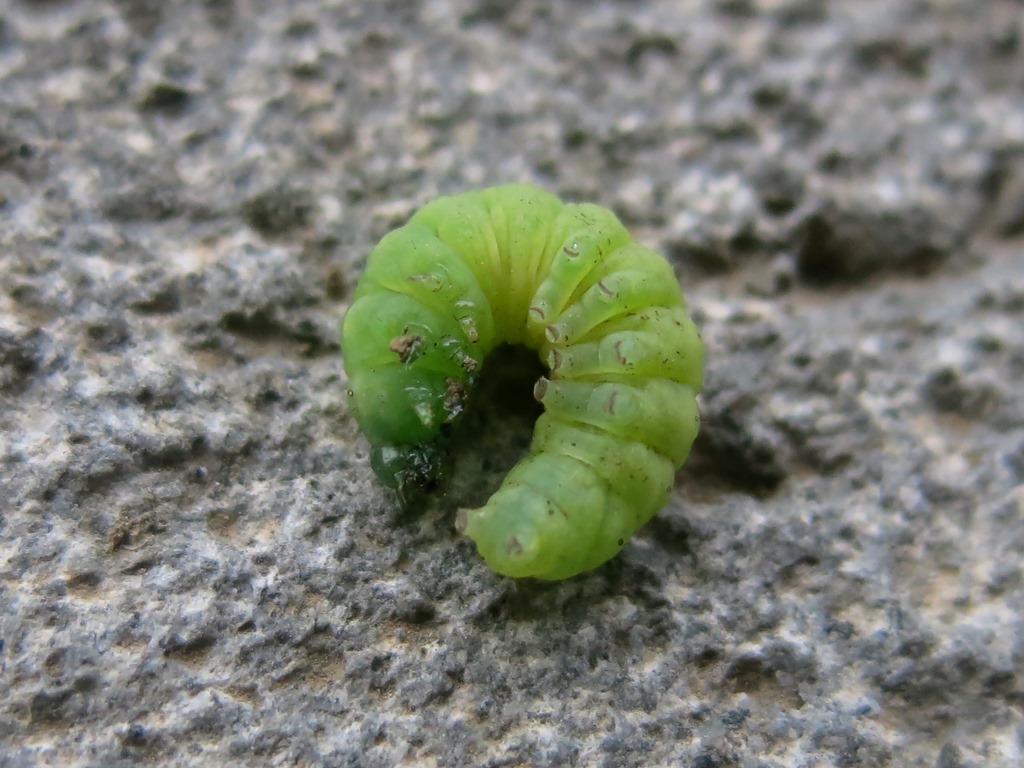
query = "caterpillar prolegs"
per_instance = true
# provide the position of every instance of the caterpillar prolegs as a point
(514, 264)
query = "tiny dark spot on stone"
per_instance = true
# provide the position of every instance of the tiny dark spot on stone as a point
(85, 581)
(187, 648)
(416, 611)
(735, 717)
(336, 285)
(706, 760)
(165, 97)
(279, 210)
(48, 707)
(136, 735)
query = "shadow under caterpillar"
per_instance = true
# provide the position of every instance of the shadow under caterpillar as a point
(514, 264)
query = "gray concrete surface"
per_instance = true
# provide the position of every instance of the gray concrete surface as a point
(196, 565)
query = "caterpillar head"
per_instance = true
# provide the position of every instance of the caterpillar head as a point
(408, 467)
(407, 416)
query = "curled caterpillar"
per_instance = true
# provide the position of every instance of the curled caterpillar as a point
(514, 264)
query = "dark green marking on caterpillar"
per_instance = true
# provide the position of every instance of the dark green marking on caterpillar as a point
(514, 264)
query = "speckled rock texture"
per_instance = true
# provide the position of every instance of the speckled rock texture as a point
(197, 566)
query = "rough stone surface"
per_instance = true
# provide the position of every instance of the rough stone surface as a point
(196, 565)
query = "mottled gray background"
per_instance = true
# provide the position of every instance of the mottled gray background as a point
(196, 565)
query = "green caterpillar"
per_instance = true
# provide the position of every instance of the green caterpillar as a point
(514, 264)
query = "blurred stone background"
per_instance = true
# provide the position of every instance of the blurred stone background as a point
(196, 565)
